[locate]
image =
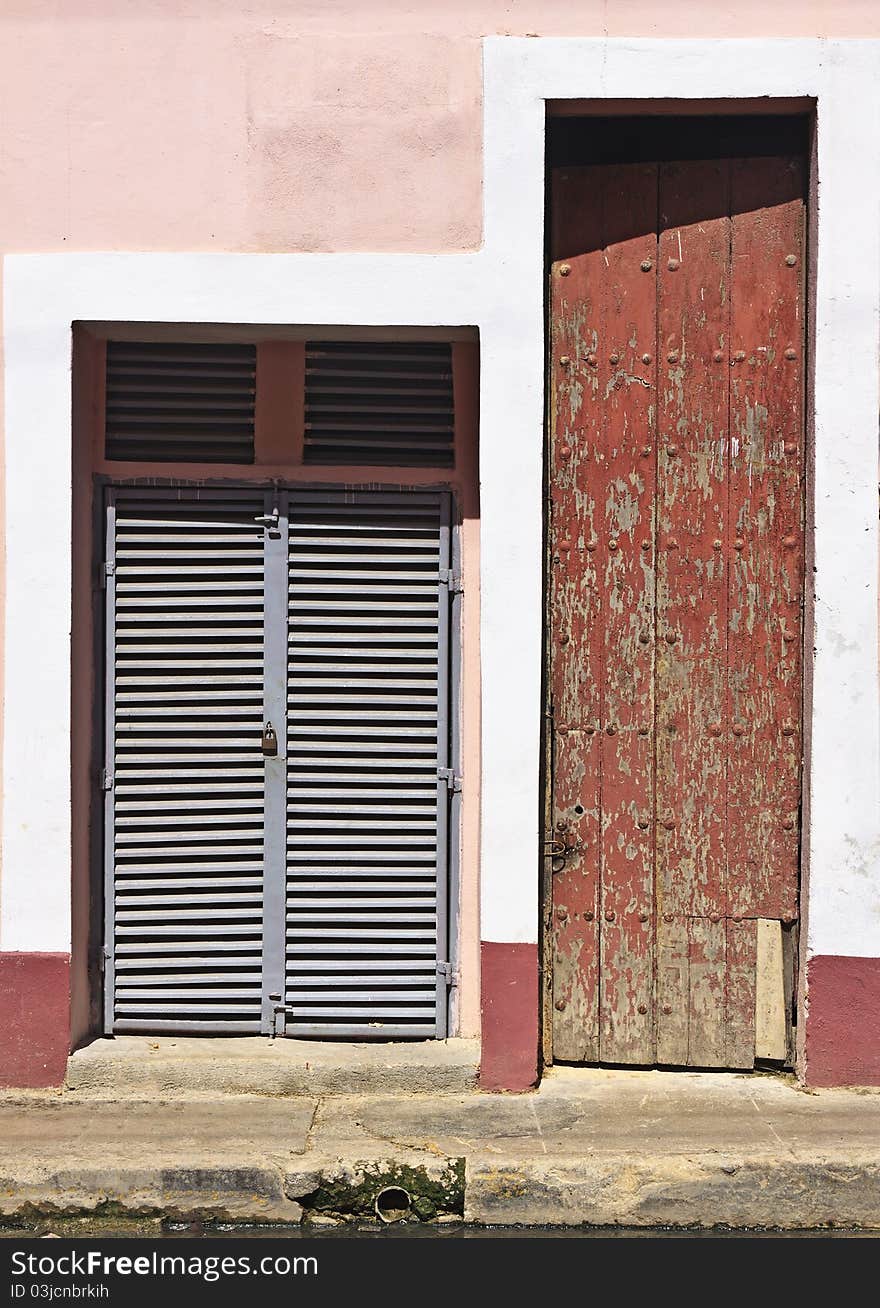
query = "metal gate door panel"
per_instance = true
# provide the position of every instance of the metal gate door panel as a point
(184, 780)
(675, 453)
(305, 889)
(367, 724)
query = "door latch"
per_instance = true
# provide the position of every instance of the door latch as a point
(559, 848)
(270, 741)
(269, 521)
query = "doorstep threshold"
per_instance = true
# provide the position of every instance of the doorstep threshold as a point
(135, 1065)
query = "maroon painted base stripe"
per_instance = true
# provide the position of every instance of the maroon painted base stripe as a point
(843, 1021)
(34, 1020)
(509, 980)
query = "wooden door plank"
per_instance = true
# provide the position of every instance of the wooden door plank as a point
(624, 489)
(771, 1036)
(693, 386)
(766, 512)
(577, 555)
(739, 993)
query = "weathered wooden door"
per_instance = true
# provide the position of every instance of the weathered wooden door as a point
(675, 613)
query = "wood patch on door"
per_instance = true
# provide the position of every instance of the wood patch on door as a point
(675, 608)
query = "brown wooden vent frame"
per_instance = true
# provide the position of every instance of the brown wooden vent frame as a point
(281, 402)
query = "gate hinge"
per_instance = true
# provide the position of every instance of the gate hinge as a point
(103, 957)
(452, 779)
(450, 578)
(446, 971)
(106, 780)
(108, 569)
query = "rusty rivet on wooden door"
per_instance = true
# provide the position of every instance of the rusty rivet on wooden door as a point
(591, 545)
(564, 638)
(790, 353)
(669, 824)
(611, 730)
(614, 358)
(646, 544)
(590, 730)
(643, 825)
(564, 269)
(672, 450)
(646, 265)
(564, 360)
(739, 730)
(609, 915)
(670, 638)
(790, 447)
(791, 260)
(612, 544)
(789, 542)
(646, 450)
(643, 1008)
(644, 917)
(559, 1005)
(668, 917)
(788, 731)
(561, 915)
(715, 917)
(673, 265)
(592, 360)
(589, 915)
(788, 825)
(667, 1009)
(788, 636)
(672, 544)
(672, 356)
(644, 732)
(644, 638)
(565, 451)
(715, 729)
(738, 543)
(646, 358)
(718, 356)
(716, 544)
(565, 544)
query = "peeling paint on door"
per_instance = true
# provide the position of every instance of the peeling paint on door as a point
(675, 612)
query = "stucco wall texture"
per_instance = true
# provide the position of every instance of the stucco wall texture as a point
(286, 125)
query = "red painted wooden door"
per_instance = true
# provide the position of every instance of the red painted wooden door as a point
(675, 607)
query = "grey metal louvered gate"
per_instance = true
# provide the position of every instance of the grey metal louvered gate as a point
(303, 893)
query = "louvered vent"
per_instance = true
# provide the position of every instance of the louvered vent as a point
(366, 728)
(185, 816)
(381, 403)
(175, 402)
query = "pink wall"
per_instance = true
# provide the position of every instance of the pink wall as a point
(285, 124)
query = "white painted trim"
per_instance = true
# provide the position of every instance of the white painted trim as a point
(43, 295)
(520, 74)
(500, 290)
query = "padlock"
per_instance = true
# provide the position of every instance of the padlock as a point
(270, 741)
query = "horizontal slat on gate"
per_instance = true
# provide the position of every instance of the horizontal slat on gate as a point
(364, 680)
(188, 771)
(380, 402)
(174, 402)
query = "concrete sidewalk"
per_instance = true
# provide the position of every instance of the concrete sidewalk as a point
(597, 1147)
